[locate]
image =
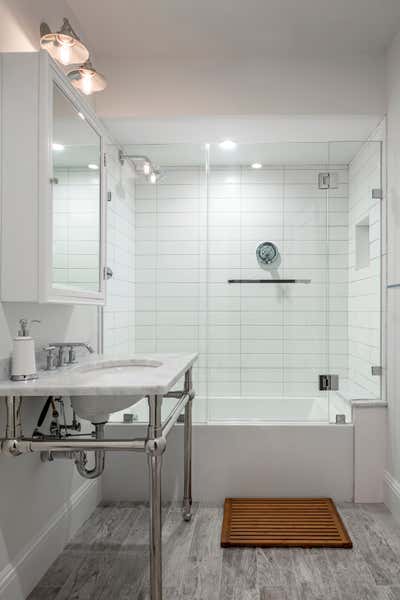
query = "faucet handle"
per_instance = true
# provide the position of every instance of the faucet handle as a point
(71, 355)
(51, 357)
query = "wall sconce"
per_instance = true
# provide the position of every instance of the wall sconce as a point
(64, 45)
(87, 79)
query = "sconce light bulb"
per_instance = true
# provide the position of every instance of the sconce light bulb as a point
(65, 54)
(86, 86)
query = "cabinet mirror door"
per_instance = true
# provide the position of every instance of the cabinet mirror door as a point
(76, 186)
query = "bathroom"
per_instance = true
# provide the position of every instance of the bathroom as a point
(219, 219)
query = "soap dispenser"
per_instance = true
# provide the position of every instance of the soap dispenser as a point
(23, 363)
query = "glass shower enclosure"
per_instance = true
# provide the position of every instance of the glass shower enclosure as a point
(266, 260)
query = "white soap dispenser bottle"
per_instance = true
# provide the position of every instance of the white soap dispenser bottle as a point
(23, 363)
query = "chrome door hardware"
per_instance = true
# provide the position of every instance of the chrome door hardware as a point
(108, 273)
(328, 382)
(340, 420)
(377, 194)
(109, 196)
(376, 370)
(328, 181)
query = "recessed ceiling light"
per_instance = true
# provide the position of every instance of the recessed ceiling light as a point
(228, 145)
(57, 147)
(256, 165)
(93, 167)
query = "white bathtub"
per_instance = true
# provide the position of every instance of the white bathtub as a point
(237, 459)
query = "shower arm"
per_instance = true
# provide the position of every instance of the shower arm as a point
(133, 157)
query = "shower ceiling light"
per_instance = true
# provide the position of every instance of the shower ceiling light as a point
(256, 165)
(64, 45)
(228, 145)
(87, 79)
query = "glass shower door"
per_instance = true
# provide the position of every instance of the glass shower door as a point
(268, 328)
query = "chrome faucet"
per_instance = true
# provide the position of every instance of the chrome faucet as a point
(62, 346)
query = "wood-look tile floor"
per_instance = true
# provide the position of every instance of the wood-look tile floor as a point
(108, 560)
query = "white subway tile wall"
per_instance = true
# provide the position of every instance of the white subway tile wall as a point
(119, 311)
(76, 228)
(365, 281)
(255, 341)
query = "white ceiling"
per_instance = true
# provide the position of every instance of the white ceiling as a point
(212, 29)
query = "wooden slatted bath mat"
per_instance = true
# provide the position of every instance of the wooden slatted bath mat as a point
(290, 522)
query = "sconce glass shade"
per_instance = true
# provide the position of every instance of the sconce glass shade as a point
(87, 79)
(64, 45)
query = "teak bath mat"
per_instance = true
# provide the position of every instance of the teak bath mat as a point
(303, 522)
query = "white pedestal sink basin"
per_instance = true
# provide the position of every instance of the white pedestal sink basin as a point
(98, 408)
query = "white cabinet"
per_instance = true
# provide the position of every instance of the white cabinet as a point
(52, 186)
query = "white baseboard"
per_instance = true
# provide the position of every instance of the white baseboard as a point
(21, 575)
(392, 495)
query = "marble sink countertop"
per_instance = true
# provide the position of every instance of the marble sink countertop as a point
(159, 374)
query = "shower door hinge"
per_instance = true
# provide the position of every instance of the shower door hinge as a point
(377, 194)
(109, 196)
(105, 159)
(328, 181)
(376, 370)
(328, 382)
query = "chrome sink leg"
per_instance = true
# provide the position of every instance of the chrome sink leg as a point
(187, 486)
(155, 447)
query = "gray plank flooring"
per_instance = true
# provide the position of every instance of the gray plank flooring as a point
(108, 559)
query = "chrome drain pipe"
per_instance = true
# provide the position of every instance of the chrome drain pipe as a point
(99, 458)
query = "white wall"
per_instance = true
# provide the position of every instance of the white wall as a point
(393, 266)
(119, 310)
